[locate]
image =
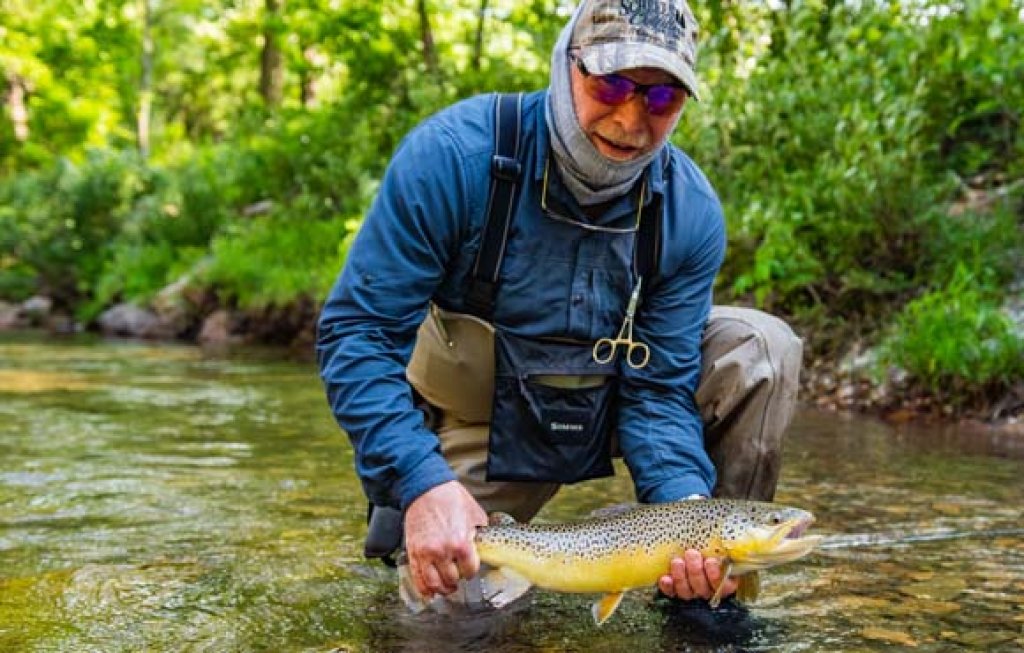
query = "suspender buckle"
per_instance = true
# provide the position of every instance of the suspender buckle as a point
(505, 168)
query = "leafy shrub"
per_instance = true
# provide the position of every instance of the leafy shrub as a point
(59, 221)
(271, 261)
(956, 342)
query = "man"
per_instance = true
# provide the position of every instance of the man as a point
(524, 400)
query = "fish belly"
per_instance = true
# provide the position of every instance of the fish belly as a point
(570, 571)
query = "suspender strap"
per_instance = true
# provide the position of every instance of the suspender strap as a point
(501, 201)
(648, 243)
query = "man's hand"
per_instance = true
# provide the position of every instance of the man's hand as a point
(439, 529)
(693, 576)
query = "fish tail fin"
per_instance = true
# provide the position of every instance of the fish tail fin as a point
(749, 587)
(605, 607)
(501, 586)
(407, 591)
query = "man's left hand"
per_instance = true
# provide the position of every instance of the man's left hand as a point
(695, 577)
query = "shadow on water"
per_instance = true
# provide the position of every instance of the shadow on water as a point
(159, 498)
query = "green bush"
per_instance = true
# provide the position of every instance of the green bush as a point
(271, 261)
(956, 343)
(59, 221)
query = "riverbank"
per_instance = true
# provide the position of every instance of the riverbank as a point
(844, 384)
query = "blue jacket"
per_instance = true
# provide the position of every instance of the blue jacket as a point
(418, 243)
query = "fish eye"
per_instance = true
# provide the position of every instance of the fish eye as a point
(776, 519)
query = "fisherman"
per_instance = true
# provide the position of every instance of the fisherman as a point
(531, 293)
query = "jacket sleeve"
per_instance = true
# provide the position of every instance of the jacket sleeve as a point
(367, 328)
(660, 428)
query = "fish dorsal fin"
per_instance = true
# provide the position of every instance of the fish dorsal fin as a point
(749, 587)
(612, 511)
(501, 519)
(605, 607)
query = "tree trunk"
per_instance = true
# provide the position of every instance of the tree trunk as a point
(427, 37)
(271, 61)
(478, 42)
(307, 78)
(17, 107)
(145, 81)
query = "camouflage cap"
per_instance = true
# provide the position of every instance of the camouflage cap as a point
(613, 35)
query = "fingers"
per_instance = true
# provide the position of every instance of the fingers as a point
(467, 561)
(694, 576)
(449, 574)
(425, 577)
(437, 570)
(439, 530)
(713, 569)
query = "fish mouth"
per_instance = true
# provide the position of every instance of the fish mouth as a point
(797, 529)
(767, 547)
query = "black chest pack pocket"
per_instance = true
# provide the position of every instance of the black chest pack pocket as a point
(553, 411)
(554, 407)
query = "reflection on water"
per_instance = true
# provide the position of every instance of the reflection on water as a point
(153, 498)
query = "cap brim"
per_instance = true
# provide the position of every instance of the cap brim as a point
(613, 57)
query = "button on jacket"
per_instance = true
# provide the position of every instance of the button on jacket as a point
(418, 243)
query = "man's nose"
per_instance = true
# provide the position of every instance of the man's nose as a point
(632, 114)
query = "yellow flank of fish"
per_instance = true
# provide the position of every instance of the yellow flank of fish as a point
(573, 572)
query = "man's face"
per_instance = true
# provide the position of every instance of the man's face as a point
(625, 131)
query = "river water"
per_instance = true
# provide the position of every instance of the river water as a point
(158, 498)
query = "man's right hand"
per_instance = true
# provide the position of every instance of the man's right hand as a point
(440, 526)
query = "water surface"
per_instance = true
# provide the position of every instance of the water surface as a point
(158, 498)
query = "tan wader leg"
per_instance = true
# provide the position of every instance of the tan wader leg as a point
(465, 448)
(746, 397)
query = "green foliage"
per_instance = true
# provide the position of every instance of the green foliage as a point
(838, 135)
(272, 261)
(59, 221)
(835, 145)
(956, 342)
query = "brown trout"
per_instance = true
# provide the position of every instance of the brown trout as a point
(629, 547)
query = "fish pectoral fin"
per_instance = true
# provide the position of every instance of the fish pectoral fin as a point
(716, 598)
(501, 519)
(605, 607)
(501, 586)
(750, 587)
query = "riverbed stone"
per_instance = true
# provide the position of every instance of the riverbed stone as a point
(11, 317)
(37, 309)
(172, 306)
(219, 329)
(128, 320)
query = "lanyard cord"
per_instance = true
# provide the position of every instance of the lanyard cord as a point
(584, 225)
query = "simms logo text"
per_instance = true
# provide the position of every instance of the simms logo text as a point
(562, 426)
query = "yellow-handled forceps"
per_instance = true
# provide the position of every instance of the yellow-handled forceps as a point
(637, 353)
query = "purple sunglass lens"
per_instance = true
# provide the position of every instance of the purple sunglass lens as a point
(614, 89)
(661, 99)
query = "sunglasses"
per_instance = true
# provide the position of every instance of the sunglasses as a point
(613, 90)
